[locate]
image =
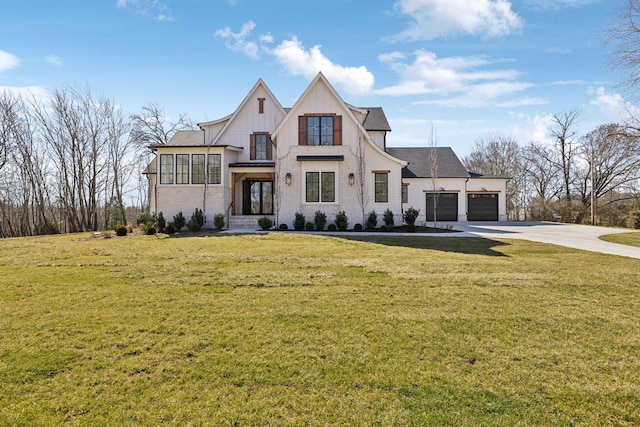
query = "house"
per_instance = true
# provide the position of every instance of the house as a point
(321, 154)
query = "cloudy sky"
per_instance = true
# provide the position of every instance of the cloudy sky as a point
(466, 68)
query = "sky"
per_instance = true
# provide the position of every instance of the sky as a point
(461, 70)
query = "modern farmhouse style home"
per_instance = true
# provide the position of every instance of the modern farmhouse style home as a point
(321, 154)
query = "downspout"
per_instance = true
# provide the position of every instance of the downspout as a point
(466, 200)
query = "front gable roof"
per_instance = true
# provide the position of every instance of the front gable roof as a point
(228, 120)
(419, 160)
(376, 118)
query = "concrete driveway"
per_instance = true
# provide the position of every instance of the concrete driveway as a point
(570, 235)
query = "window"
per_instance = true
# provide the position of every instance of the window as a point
(197, 169)
(320, 130)
(166, 168)
(320, 187)
(182, 168)
(214, 170)
(260, 147)
(405, 193)
(382, 187)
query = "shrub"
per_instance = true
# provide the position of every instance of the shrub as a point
(265, 223)
(633, 218)
(372, 220)
(197, 220)
(146, 217)
(320, 220)
(384, 227)
(388, 218)
(179, 221)
(169, 229)
(410, 215)
(218, 221)
(161, 222)
(120, 230)
(149, 228)
(129, 228)
(299, 222)
(284, 227)
(357, 227)
(332, 227)
(309, 226)
(341, 221)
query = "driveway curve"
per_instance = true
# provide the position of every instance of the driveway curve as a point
(583, 237)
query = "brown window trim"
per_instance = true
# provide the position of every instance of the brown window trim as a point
(252, 147)
(337, 127)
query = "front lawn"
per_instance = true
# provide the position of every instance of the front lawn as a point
(629, 239)
(288, 329)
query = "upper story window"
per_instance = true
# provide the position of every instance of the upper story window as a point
(260, 147)
(182, 168)
(166, 168)
(320, 129)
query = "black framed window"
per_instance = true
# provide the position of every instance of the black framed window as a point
(381, 187)
(166, 168)
(197, 169)
(214, 169)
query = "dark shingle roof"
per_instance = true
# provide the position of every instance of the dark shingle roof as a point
(419, 159)
(186, 138)
(376, 119)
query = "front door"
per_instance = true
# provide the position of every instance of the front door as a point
(257, 198)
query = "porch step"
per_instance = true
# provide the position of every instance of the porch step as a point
(247, 221)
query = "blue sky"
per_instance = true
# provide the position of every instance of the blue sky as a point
(467, 68)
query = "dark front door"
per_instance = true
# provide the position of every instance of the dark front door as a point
(482, 207)
(257, 198)
(446, 206)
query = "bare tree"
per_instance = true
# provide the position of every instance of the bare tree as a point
(563, 133)
(543, 176)
(624, 36)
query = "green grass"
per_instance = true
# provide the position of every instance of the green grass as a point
(629, 239)
(286, 329)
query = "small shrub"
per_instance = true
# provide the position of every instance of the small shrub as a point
(120, 230)
(388, 218)
(341, 221)
(178, 221)
(299, 222)
(197, 220)
(332, 227)
(410, 215)
(633, 218)
(320, 220)
(372, 220)
(160, 222)
(357, 227)
(384, 227)
(149, 228)
(218, 221)
(129, 228)
(146, 217)
(265, 223)
(309, 226)
(169, 229)
(284, 227)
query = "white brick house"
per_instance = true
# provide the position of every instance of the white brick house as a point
(321, 154)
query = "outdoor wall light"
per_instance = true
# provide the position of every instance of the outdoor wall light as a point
(352, 179)
(287, 178)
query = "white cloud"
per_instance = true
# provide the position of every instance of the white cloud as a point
(613, 105)
(155, 9)
(238, 41)
(54, 60)
(531, 128)
(559, 4)
(439, 18)
(37, 92)
(301, 62)
(456, 81)
(8, 61)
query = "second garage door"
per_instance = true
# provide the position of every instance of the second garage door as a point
(446, 207)
(482, 207)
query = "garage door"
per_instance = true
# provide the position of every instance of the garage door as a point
(482, 207)
(446, 207)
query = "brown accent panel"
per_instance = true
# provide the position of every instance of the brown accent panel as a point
(302, 130)
(337, 130)
(269, 148)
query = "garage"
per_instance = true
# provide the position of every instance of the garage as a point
(482, 207)
(446, 206)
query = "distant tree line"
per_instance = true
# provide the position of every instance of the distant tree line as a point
(73, 162)
(564, 179)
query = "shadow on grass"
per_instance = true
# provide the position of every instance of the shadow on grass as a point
(462, 245)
